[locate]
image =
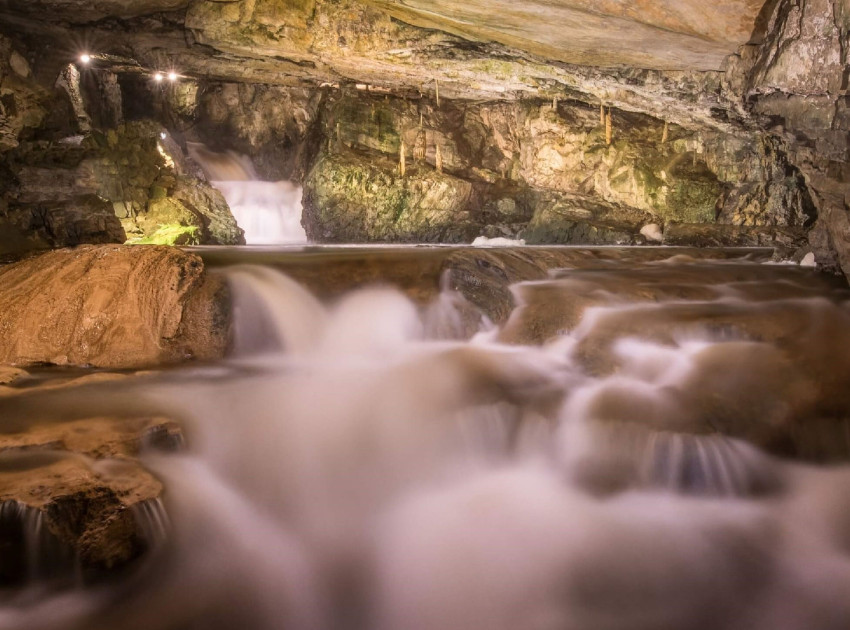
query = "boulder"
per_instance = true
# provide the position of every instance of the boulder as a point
(352, 198)
(74, 500)
(111, 306)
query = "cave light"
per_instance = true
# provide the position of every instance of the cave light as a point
(85, 58)
(163, 135)
(172, 76)
(157, 77)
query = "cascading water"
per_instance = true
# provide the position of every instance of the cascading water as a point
(268, 212)
(38, 560)
(358, 466)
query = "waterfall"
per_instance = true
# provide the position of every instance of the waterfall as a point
(268, 212)
(31, 555)
(378, 463)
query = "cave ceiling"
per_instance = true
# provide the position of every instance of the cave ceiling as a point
(661, 34)
(658, 56)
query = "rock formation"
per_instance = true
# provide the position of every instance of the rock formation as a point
(728, 128)
(74, 500)
(67, 180)
(111, 306)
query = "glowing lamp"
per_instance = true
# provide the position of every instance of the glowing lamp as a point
(157, 77)
(172, 76)
(85, 57)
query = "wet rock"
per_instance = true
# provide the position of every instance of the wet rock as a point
(547, 174)
(74, 496)
(796, 81)
(8, 375)
(111, 306)
(700, 235)
(563, 302)
(108, 187)
(577, 220)
(81, 481)
(22, 100)
(271, 124)
(358, 199)
(50, 224)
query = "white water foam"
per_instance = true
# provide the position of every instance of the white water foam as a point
(373, 477)
(268, 212)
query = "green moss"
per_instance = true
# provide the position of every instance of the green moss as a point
(357, 199)
(170, 235)
(496, 68)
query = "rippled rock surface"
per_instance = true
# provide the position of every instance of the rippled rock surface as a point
(111, 306)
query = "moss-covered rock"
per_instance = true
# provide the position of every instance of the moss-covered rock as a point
(109, 187)
(356, 198)
(174, 234)
(553, 163)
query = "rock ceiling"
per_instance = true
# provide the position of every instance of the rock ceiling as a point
(662, 34)
(641, 55)
(659, 34)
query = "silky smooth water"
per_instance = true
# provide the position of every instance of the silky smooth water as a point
(366, 464)
(268, 212)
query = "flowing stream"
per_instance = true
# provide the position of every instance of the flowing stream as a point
(625, 451)
(268, 212)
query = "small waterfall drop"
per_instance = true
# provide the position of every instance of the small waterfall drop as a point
(268, 212)
(379, 463)
(33, 556)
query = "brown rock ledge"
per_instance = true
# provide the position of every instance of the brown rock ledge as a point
(111, 306)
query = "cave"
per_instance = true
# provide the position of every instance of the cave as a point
(406, 315)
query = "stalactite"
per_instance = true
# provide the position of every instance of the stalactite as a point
(438, 160)
(664, 133)
(419, 147)
(437, 90)
(402, 150)
(602, 114)
(421, 118)
(609, 128)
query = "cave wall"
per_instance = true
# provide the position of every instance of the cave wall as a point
(332, 94)
(522, 165)
(544, 171)
(72, 171)
(795, 85)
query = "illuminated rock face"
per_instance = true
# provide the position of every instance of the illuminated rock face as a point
(729, 112)
(670, 34)
(111, 306)
(544, 174)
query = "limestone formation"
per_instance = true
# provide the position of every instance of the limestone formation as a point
(747, 98)
(111, 306)
(537, 158)
(796, 82)
(348, 200)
